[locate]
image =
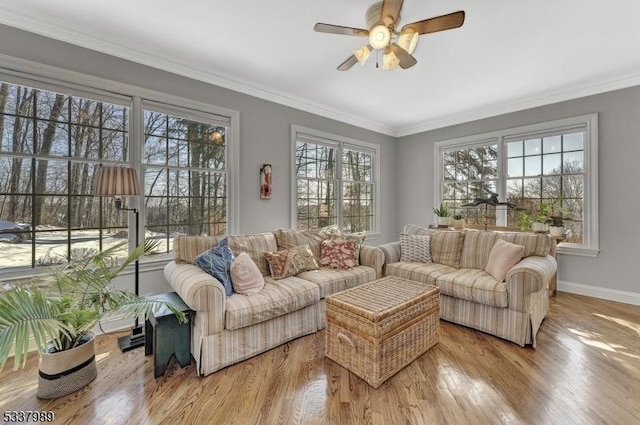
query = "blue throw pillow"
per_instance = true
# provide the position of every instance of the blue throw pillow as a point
(217, 262)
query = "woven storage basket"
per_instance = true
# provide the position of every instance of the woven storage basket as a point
(65, 372)
(378, 328)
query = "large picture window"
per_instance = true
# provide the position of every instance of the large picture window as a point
(335, 182)
(51, 147)
(54, 138)
(185, 174)
(545, 164)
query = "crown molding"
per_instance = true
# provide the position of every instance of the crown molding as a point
(98, 42)
(605, 85)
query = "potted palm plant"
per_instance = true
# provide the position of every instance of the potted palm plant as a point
(60, 309)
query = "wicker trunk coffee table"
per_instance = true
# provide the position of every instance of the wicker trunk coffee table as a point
(378, 328)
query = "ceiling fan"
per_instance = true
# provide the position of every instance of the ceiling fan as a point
(396, 47)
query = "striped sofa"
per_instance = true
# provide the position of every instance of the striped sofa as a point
(512, 309)
(227, 330)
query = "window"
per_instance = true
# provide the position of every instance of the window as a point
(335, 182)
(51, 147)
(185, 173)
(55, 135)
(552, 163)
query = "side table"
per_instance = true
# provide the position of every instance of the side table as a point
(165, 336)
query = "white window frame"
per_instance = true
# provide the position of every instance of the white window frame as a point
(340, 142)
(589, 123)
(33, 74)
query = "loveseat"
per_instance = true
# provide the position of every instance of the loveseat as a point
(229, 329)
(512, 307)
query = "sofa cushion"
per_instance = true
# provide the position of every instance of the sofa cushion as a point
(338, 254)
(503, 257)
(476, 248)
(446, 248)
(255, 246)
(217, 262)
(278, 297)
(415, 248)
(474, 285)
(288, 238)
(245, 275)
(413, 229)
(534, 243)
(419, 272)
(187, 248)
(334, 280)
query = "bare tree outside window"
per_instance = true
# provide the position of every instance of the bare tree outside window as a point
(333, 183)
(185, 177)
(51, 145)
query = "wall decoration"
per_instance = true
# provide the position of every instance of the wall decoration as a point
(265, 181)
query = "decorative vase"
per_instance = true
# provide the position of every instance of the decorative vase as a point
(556, 230)
(64, 372)
(444, 221)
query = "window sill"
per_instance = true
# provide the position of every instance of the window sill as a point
(578, 250)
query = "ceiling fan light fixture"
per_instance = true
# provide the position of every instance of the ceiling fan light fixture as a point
(408, 40)
(362, 54)
(389, 60)
(379, 37)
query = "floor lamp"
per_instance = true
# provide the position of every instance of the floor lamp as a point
(121, 182)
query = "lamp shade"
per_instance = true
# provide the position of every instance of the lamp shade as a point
(117, 182)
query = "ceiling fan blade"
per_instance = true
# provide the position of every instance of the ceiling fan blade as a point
(405, 58)
(390, 11)
(337, 29)
(440, 23)
(348, 63)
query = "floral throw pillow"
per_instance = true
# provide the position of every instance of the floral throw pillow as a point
(217, 262)
(278, 264)
(302, 259)
(338, 253)
(290, 262)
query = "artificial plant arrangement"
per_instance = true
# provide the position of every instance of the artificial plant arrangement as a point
(61, 308)
(442, 211)
(547, 213)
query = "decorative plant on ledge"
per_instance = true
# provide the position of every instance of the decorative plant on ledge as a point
(443, 213)
(61, 308)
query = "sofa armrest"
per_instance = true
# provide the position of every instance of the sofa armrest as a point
(530, 275)
(391, 252)
(373, 257)
(202, 292)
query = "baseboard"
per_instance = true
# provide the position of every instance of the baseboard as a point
(599, 292)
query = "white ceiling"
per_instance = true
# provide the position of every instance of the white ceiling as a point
(509, 55)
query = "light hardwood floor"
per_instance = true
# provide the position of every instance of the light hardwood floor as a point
(585, 370)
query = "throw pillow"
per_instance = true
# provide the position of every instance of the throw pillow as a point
(302, 259)
(415, 248)
(245, 275)
(217, 262)
(278, 264)
(338, 254)
(358, 238)
(502, 258)
(290, 262)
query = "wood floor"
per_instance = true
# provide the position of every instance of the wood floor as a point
(586, 370)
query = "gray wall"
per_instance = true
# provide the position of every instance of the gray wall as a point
(407, 163)
(614, 269)
(264, 135)
(264, 125)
